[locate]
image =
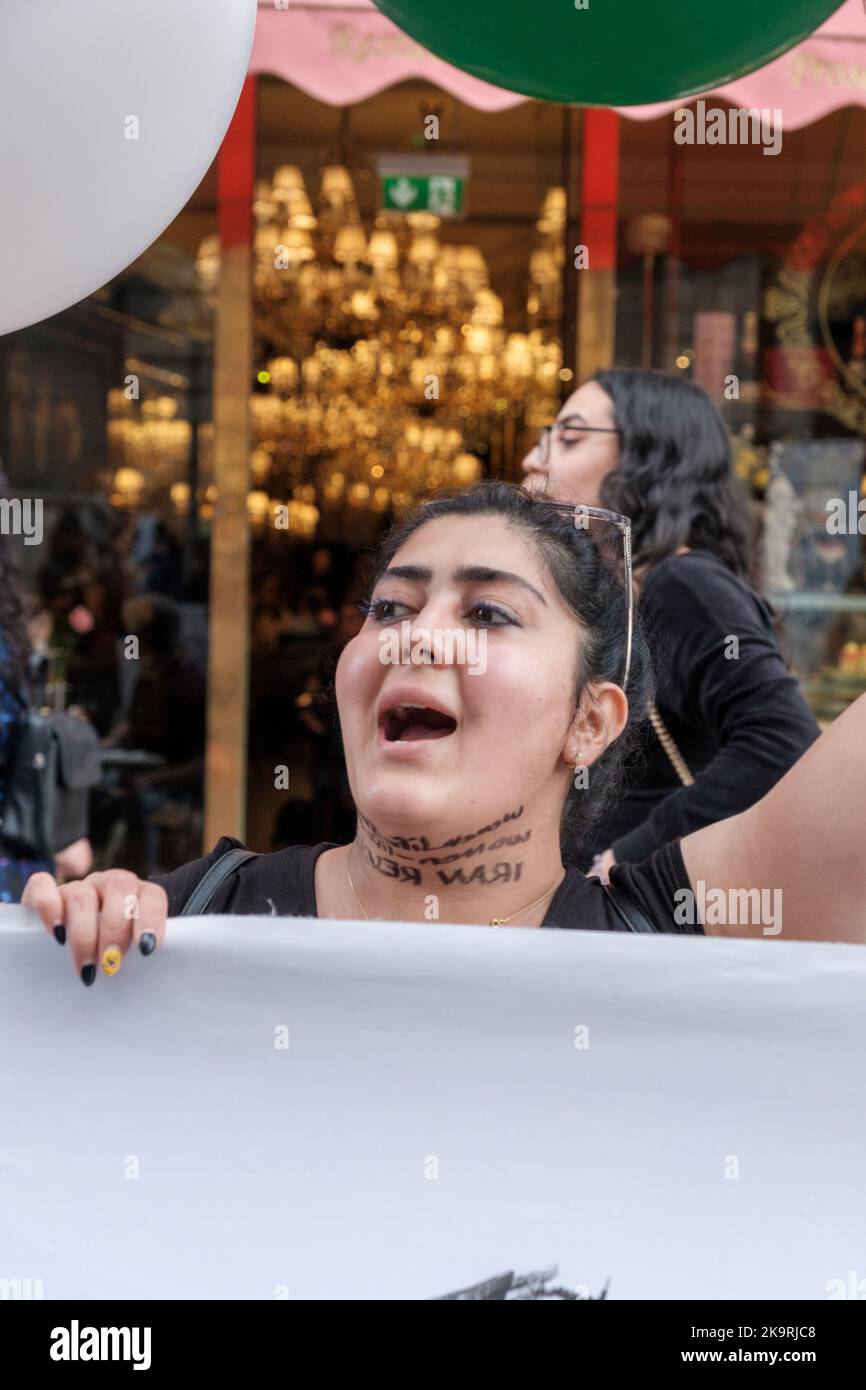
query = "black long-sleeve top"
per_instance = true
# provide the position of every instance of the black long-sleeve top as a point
(739, 721)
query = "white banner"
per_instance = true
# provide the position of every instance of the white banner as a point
(274, 1108)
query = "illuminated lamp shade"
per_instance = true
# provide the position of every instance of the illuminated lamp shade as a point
(284, 373)
(423, 221)
(287, 179)
(258, 506)
(363, 305)
(311, 372)
(180, 495)
(445, 339)
(543, 269)
(553, 211)
(301, 212)
(518, 358)
(260, 465)
(479, 339)
(118, 111)
(337, 187)
(129, 485)
(472, 267)
(488, 309)
(382, 252)
(609, 52)
(266, 238)
(467, 469)
(264, 203)
(298, 246)
(350, 244)
(303, 519)
(424, 249)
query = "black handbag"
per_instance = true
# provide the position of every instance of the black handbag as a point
(45, 800)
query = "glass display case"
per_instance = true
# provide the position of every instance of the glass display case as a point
(813, 564)
(753, 287)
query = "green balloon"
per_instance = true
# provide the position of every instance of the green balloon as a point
(608, 52)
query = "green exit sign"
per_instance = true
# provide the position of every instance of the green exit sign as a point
(439, 193)
(432, 182)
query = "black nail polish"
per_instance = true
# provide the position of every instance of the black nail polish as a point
(60, 933)
(88, 974)
(147, 944)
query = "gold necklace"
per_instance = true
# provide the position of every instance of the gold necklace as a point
(494, 921)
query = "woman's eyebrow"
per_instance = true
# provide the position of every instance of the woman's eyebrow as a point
(577, 419)
(467, 574)
(481, 574)
(418, 574)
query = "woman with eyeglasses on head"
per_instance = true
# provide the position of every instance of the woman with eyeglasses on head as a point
(728, 718)
(466, 776)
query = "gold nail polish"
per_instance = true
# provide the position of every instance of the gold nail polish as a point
(111, 961)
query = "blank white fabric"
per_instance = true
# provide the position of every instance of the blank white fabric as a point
(432, 1122)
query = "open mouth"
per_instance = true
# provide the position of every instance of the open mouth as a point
(414, 723)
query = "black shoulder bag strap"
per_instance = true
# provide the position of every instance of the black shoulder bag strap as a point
(205, 890)
(627, 909)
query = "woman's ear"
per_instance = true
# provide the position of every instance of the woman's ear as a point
(598, 722)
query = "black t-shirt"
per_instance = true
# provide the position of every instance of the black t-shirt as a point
(283, 885)
(735, 712)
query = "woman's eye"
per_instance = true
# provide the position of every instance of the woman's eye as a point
(384, 610)
(488, 615)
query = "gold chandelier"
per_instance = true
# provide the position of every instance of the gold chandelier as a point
(148, 445)
(387, 372)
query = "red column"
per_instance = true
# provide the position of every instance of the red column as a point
(596, 324)
(236, 172)
(600, 186)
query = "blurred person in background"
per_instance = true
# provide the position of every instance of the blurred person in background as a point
(328, 813)
(163, 714)
(158, 558)
(272, 618)
(17, 671)
(728, 719)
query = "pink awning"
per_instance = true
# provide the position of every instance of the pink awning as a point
(342, 51)
(824, 72)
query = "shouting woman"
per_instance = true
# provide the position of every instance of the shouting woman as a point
(465, 780)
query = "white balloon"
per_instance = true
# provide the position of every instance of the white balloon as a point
(111, 112)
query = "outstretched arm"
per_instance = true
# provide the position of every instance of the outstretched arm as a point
(804, 842)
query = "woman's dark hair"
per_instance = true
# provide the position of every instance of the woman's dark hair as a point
(674, 476)
(595, 594)
(13, 625)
